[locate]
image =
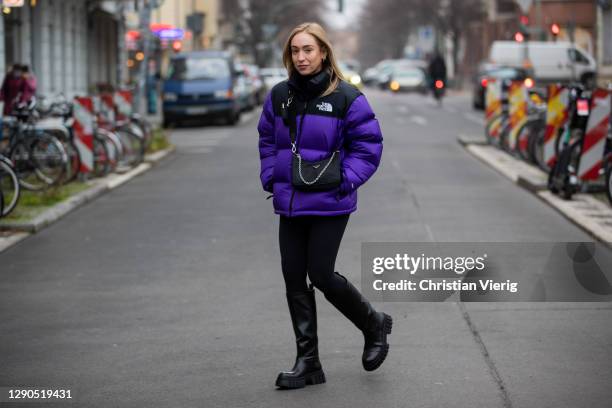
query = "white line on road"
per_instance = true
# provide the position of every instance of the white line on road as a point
(402, 109)
(450, 110)
(430, 233)
(419, 120)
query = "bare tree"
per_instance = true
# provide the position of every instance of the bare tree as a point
(386, 24)
(264, 25)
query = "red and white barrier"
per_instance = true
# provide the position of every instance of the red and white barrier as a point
(594, 144)
(107, 108)
(83, 129)
(517, 98)
(123, 103)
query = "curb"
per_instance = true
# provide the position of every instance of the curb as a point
(465, 140)
(585, 211)
(99, 187)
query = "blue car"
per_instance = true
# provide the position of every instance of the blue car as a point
(201, 84)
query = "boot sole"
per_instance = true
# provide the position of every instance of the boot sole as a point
(317, 377)
(373, 365)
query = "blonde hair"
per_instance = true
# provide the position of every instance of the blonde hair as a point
(329, 63)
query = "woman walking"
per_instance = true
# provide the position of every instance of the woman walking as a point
(319, 141)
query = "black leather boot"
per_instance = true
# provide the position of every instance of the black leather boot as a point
(307, 368)
(374, 325)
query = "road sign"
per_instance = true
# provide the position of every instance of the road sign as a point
(171, 34)
(525, 5)
(13, 3)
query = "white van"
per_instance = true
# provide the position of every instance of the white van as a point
(551, 61)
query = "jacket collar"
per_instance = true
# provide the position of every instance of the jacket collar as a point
(309, 86)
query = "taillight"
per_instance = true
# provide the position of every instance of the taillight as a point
(583, 107)
(484, 82)
(439, 84)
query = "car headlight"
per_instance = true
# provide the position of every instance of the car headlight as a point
(170, 97)
(223, 94)
(355, 79)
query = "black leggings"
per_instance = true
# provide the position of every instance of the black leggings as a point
(309, 245)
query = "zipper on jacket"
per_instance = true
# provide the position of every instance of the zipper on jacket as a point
(297, 135)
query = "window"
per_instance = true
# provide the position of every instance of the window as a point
(199, 68)
(577, 57)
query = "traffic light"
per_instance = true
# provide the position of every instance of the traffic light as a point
(523, 28)
(555, 29)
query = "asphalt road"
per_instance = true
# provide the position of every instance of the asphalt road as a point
(168, 292)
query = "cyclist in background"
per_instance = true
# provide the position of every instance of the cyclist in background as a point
(436, 70)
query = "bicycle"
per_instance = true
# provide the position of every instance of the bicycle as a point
(39, 158)
(562, 177)
(9, 187)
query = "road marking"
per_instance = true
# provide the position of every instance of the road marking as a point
(430, 233)
(419, 120)
(450, 110)
(402, 109)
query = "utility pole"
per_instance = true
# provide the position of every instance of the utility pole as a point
(145, 34)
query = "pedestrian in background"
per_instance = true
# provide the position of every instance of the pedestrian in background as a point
(11, 87)
(28, 90)
(329, 114)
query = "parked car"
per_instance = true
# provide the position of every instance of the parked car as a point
(408, 79)
(258, 83)
(487, 72)
(201, 84)
(551, 61)
(245, 88)
(350, 74)
(385, 69)
(272, 76)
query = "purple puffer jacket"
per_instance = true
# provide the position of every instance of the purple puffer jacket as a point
(341, 120)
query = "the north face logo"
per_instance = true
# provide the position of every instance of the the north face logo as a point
(325, 107)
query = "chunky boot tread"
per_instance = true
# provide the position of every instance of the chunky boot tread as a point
(317, 377)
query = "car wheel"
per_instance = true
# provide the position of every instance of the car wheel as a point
(233, 118)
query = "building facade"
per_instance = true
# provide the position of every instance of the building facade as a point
(70, 45)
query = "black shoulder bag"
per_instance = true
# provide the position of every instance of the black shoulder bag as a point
(320, 175)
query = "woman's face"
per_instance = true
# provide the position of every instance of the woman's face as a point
(306, 54)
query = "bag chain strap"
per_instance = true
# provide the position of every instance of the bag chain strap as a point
(320, 174)
(294, 151)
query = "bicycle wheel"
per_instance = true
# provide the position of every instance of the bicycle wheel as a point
(522, 145)
(101, 165)
(538, 151)
(570, 186)
(132, 148)
(25, 168)
(74, 160)
(113, 147)
(50, 158)
(609, 182)
(9, 187)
